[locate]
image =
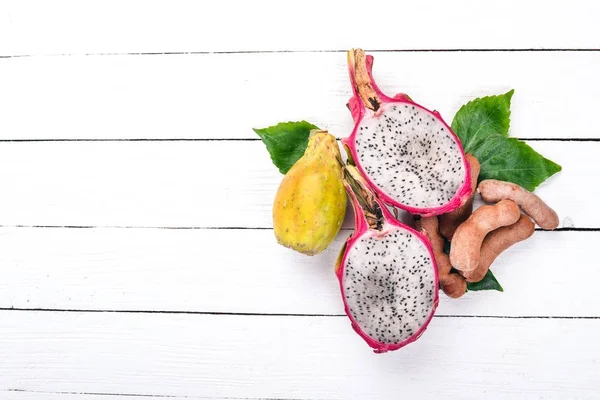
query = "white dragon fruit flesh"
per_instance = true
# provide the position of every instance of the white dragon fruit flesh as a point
(387, 273)
(408, 154)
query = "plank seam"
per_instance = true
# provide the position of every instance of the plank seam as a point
(250, 314)
(236, 140)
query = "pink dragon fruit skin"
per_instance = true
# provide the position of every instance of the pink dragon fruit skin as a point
(367, 104)
(376, 226)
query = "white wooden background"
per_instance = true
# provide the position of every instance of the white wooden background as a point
(137, 258)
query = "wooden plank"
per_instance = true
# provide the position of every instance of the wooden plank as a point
(225, 95)
(211, 270)
(161, 26)
(202, 184)
(294, 357)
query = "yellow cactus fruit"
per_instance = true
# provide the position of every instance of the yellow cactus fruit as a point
(310, 204)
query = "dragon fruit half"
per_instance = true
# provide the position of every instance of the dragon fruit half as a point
(387, 273)
(408, 154)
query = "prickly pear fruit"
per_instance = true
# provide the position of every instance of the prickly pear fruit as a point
(311, 200)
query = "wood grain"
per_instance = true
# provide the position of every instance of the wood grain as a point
(69, 26)
(136, 200)
(221, 96)
(203, 184)
(245, 271)
(294, 357)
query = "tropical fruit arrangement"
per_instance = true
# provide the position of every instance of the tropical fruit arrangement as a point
(402, 156)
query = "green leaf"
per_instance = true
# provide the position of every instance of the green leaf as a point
(509, 159)
(286, 142)
(479, 118)
(482, 126)
(489, 282)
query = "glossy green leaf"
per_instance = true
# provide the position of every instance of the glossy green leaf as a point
(482, 117)
(286, 142)
(509, 159)
(489, 282)
(482, 126)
